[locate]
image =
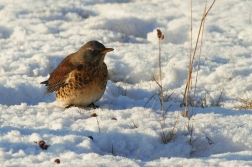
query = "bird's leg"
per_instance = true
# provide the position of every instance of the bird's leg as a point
(70, 105)
(93, 106)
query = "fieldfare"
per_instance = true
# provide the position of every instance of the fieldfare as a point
(81, 78)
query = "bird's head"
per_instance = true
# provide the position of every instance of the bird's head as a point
(93, 51)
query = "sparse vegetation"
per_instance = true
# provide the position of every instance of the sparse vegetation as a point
(201, 143)
(246, 104)
(159, 81)
(168, 136)
(206, 100)
(157, 75)
(192, 58)
(134, 126)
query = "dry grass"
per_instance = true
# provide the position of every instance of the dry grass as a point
(205, 100)
(201, 40)
(159, 81)
(166, 137)
(192, 58)
(134, 126)
(200, 144)
(246, 104)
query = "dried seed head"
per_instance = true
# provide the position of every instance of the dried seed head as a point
(43, 145)
(159, 34)
(93, 115)
(57, 161)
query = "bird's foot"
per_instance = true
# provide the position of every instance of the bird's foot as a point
(70, 105)
(92, 105)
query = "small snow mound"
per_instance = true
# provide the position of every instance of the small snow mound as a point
(34, 137)
(19, 34)
(127, 26)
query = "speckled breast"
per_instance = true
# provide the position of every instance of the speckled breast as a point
(84, 86)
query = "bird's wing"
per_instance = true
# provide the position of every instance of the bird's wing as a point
(58, 77)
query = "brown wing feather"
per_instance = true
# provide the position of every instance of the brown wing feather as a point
(60, 74)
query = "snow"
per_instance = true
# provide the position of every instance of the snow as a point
(36, 35)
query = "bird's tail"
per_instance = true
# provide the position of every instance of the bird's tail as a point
(45, 82)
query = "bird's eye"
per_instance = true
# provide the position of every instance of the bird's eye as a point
(95, 52)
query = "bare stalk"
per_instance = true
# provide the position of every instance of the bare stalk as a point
(187, 92)
(202, 33)
(160, 37)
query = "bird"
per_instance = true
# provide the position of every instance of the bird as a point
(81, 77)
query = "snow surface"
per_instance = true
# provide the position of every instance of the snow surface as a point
(36, 35)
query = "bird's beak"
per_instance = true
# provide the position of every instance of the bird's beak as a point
(106, 50)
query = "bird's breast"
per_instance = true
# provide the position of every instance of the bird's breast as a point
(84, 86)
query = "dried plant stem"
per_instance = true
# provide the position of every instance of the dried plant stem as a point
(185, 94)
(187, 85)
(202, 33)
(191, 30)
(166, 138)
(246, 104)
(160, 80)
(187, 91)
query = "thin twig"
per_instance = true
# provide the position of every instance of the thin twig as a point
(160, 37)
(192, 60)
(201, 40)
(157, 82)
(149, 100)
(207, 93)
(218, 101)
